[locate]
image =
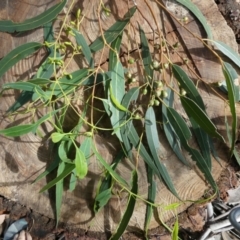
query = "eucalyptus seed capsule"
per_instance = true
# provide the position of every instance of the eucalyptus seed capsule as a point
(131, 60)
(159, 84)
(166, 65)
(156, 102)
(158, 92)
(151, 102)
(155, 65)
(185, 60)
(185, 19)
(156, 46)
(182, 92)
(128, 75)
(137, 116)
(145, 91)
(164, 94)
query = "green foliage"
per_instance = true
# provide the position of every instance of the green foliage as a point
(147, 102)
(32, 23)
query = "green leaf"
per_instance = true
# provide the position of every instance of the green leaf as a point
(56, 137)
(154, 146)
(146, 55)
(18, 54)
(234, 76)
(129, 210)
(229, 135)
(63, 150)
(200, 117)
(203, 141)
(26, 86)
(59, 192)
(48, 34)
(115, 101)
(231, 97)
(106, 186)
(45, 70)
(198, 14)
(178, 123)
(130, 96)
(39, 81)
(17, 131)
(32, 23)
(116, 89)
(228, 51)
(169, 131)
(108, 168)
(67, 170)
(102, 199)
(113, 32)
(73, 180)
(187, 84)
(81, 164)
(135, 140)
(184, 134)
(152, 186)
(84, 47)
(175, 230)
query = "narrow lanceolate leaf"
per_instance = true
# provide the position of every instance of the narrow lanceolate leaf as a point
(231, 97)
(129, 210)
(116, 89)
(184, 135)
(198, 14)
(175, 230)
(108, 168)
(146, 55)
(81, 164)
(229, 135)
(188, 85)
(154, 146)
(44, 71)
(59, 191)
(35, 22)
(168, 129)
(39, 81)
(151, 198)
(113, 32)
(24, 86)
(104, 191)
(178, 123)
(84, 47)
(67, 170)
(203, 141)
(200, 117)
(18, 54)
(135, 141)
(17, 131)
(129, 97)
(234, 77)
(228, 51)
